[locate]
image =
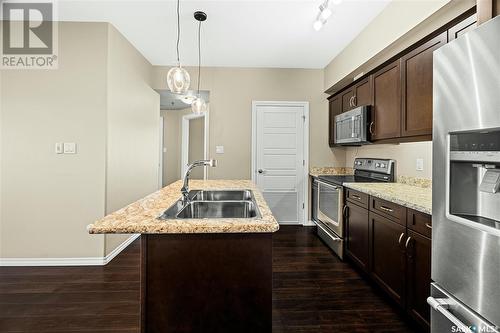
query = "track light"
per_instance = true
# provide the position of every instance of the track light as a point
(324, 14)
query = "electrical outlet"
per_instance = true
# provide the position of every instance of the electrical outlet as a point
(219, 149)
(420, 164)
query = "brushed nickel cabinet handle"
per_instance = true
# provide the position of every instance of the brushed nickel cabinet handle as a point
(407, 242)
(428, 225)
(344, 211)
(387, 209)
(371, 127)
(357, 197)
(401, 238)
(354, 100)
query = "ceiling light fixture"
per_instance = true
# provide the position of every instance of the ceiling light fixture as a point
(199, 105)
(178, 79)
(323, 15)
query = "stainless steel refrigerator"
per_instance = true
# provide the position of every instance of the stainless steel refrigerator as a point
(465, 293)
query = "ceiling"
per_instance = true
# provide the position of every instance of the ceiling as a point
(258, 33)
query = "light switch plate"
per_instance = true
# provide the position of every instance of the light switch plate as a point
(420, 164)
(70, 148)
(219, 149)
(59, 148)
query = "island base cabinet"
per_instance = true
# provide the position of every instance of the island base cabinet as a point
(206, 283)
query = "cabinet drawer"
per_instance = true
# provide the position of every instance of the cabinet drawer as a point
(420, 222)
(358, 198)
(389, 209)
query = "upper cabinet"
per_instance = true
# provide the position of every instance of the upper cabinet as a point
(462, 27)
(400, 91)
(335, 108)
(416, 70)
(386, 111)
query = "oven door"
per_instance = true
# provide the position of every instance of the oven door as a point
(330, 207)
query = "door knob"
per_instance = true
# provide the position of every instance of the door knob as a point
(260, 171)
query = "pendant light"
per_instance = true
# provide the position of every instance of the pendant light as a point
(199, 105)
(178, 79)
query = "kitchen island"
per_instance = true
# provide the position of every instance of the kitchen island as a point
(200, 275)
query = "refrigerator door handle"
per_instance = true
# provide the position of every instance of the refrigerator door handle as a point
(442, 305)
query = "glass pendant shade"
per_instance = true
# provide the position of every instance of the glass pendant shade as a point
(199, 106)
(178, 80)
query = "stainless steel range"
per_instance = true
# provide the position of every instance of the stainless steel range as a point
(465, 295)
(328, 198)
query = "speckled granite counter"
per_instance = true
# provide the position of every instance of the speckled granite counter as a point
(323, 171)
(414, 197)
(141, 216)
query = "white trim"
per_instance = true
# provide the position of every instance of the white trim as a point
(305, 179)
(160, 162)
(185, 140)
(84, 261)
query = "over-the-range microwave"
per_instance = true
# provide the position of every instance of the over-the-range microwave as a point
(352, 127)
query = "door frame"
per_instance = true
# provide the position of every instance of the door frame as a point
(185, 140)
(160, 162)
(305, 173)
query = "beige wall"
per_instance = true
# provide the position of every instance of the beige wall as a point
(196, 145)
(232, 91)
(405, 154)
(100, 98)
(133, 112)
(49, 199)
(172, 142)
(401, 24)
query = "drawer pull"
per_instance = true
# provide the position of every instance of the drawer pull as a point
(357, 197)
(428, 225)
(387, 209)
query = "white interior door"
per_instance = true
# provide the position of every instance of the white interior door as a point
(279, 155)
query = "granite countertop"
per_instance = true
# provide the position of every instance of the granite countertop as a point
(324, 171)
(414, 197)
(141, 216)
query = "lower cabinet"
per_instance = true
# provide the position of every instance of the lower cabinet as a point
(419, 277)
(357, 235)
(388, 262)
(394, 248)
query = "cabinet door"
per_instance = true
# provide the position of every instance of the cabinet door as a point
(363, 92)
(347, 99)
(335, 108)
(387, 256)
(462, 27)
(416, 68)
(386, 115)
(419, 277)
(357, 235)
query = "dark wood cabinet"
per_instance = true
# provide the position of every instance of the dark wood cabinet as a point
(387, 256)
(386, 112)
(462, 27)
(357, 232)
(418, 253)
(363, 92)
(347, 99)
(392, 244)
(334, 108)
(416, 69)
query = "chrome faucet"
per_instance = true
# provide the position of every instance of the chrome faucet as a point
(185, 187)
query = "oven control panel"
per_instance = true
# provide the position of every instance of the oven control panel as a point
(375, 165)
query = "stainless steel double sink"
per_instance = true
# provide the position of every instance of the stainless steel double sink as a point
(211, 204)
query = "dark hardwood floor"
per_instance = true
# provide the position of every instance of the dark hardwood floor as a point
(313, 291)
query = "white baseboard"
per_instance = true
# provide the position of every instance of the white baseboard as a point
(309, 224)
(84, 261)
